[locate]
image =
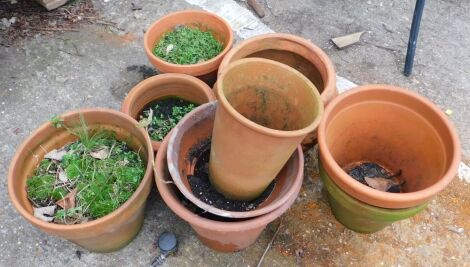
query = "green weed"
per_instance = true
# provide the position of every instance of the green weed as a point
(104, 171)
(185, 45)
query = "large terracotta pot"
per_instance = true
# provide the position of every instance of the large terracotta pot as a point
(296, 52)
(396, 128)
(203, 20)
(265, 110)
(110, 232)
(187, 135)
(359, 216)
(162, 86)
(220, 235)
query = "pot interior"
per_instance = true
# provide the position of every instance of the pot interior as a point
(296, 61)
(50, 138)
(192, 134)
(204, 21)
(394, 130)
(270, 95)
(179, 88)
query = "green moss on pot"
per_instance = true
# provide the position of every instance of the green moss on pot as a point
(359, 216)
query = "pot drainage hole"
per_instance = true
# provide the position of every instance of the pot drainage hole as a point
(375, 176)
(203, 189)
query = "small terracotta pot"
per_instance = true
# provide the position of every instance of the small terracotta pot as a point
(296, 52)
(203, 20)
(196, 126)
(162, 86)
(105, 234)
(222, 236)
(265, 110)
(359, 216)
(396, 128)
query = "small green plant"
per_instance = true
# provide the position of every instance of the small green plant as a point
(163, 115)
(185, 45)
(98, 172)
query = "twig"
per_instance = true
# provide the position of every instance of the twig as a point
(52, 29)
(269, 245)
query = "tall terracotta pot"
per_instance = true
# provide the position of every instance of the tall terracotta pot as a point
(163, 86)
(396, 128)
(197, 126)
(216, 233)
(105, 234)
(265, 110)
(295, 52)
(203, 20)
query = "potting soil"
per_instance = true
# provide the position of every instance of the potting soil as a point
(203, 189)
(359, 171)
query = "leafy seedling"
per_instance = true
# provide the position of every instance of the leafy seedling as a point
(185, 45)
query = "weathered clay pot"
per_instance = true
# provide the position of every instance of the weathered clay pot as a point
(359, 216)
(105, 234)
(396, 128)
(225, 236)
(196, 126)
(265, 110)
(162, 86)
(297, 52)
(203, 20)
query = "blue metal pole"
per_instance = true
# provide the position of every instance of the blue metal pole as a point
(410, 54)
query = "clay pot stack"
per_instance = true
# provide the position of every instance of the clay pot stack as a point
(266, 106)
(255, 130)
(398, 129)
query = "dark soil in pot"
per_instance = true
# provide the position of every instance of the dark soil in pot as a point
(160, 116)
(375, 176)
(203, 189)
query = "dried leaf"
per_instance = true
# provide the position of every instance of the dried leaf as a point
(45, 213)
(346, 40)
(380, 183)
(56, 154)
(63, 176)
(102, 153)
(68, 201)
(169, 48)
(145, 122)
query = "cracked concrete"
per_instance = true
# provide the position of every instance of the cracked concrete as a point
(97, 66)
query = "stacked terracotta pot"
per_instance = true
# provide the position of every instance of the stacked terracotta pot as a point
(271, 91)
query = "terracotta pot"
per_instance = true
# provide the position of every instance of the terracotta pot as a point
(206, 21)
(296, 52)
(162, 86)
(196, 126)
(225, 236)
(396, 128)
(110, 232)
(359, 216)
(265, 110)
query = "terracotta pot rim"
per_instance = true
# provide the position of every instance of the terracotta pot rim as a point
(401, 200)
(103, 220)
(330, 82)
(259, 128)
(188, 12)
(156, 80)
(193, 219)
(211, 209)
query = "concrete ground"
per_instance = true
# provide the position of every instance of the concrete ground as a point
(97, 66)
